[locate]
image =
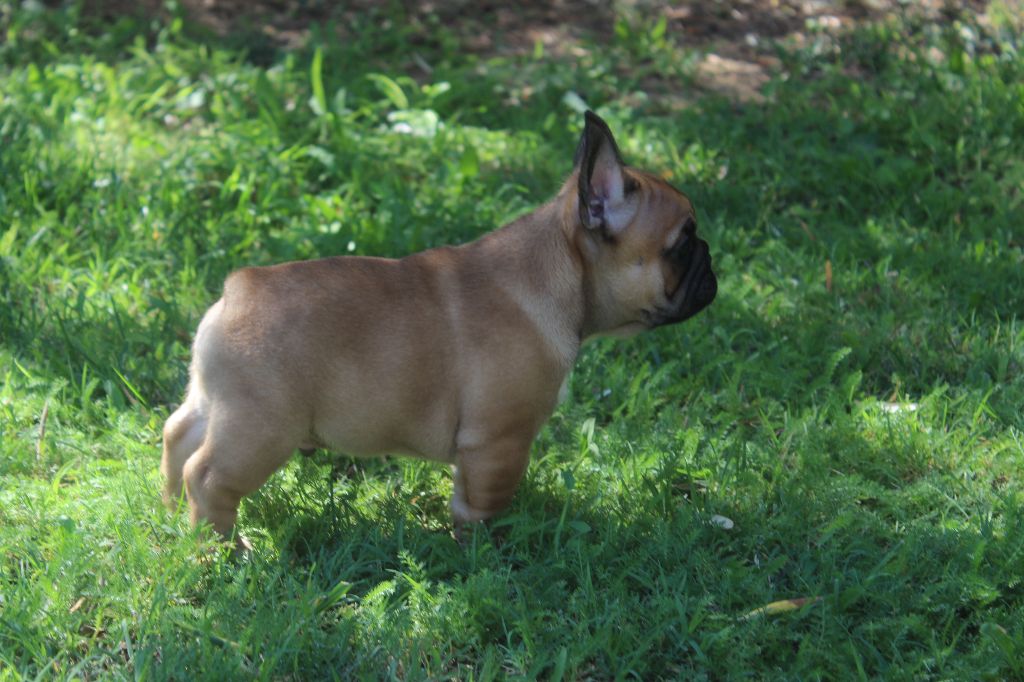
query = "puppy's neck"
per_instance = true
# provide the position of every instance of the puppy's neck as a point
(534, 261)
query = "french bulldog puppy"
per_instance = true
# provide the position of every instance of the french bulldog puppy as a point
(455, 354)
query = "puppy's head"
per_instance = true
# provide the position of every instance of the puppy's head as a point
(644, 264)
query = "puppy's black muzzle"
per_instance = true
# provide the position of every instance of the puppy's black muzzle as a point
(698, 285)
(699, 282)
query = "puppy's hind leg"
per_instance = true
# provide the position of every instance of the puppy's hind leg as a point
(240, 452)
(183, 434)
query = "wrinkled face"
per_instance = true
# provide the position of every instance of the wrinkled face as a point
(654, 270)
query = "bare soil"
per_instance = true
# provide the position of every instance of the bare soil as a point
(734, 37)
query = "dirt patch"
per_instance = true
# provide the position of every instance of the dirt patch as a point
(735, 38)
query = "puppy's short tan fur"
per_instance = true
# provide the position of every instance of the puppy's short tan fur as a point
(454, 354)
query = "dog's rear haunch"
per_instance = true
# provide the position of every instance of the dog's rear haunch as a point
(455, 354)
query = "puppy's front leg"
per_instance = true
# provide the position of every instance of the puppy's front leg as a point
(486, 478)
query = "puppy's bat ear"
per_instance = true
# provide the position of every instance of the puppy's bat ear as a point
(602, 179)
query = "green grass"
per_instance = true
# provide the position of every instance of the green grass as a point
(867, 439)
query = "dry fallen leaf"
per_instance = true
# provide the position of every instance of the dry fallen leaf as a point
(781, 606)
